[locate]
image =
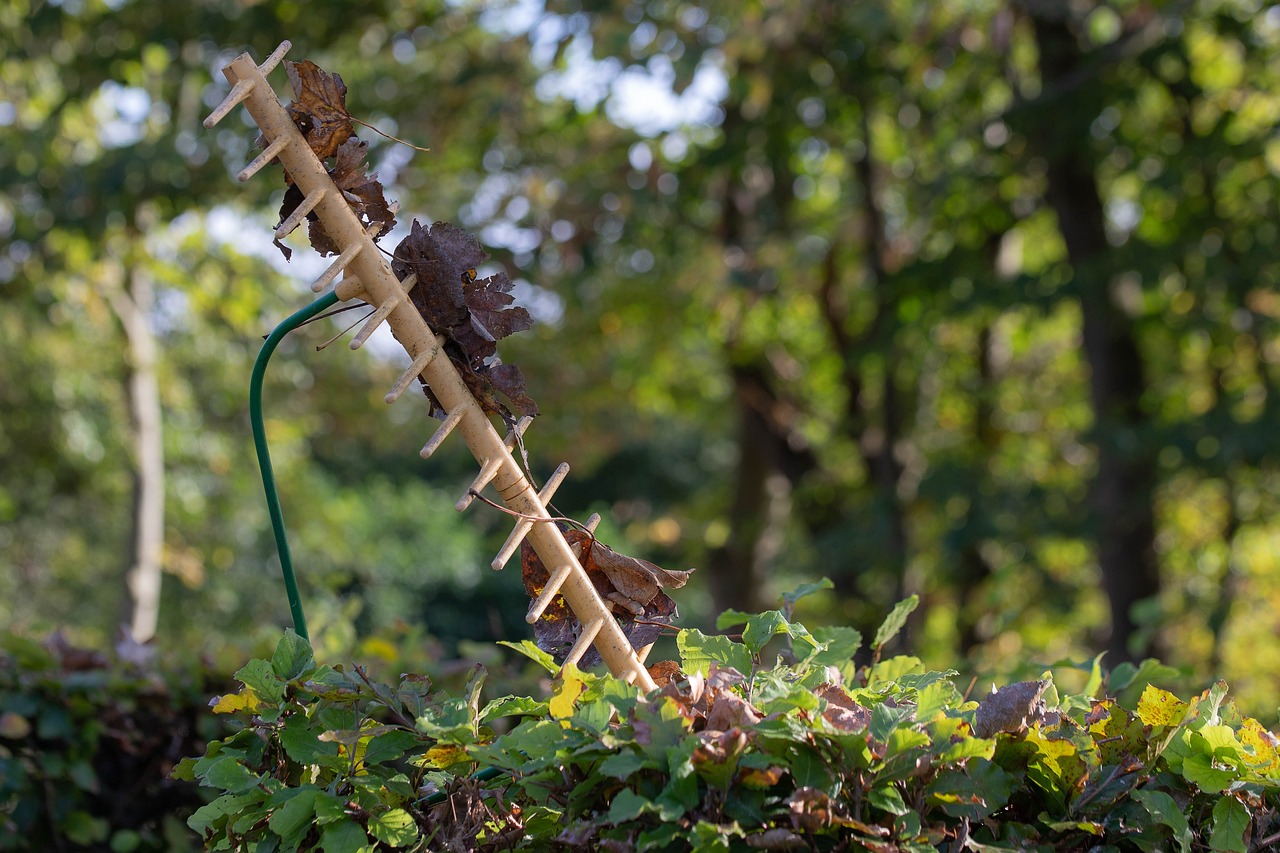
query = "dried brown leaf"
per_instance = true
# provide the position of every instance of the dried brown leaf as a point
(319, 108)
(363, 192)
(842, 712)
(641, 621)
(1010, 709)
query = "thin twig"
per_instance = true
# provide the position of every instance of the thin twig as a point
(347, 329)
(525, 516)
(386, 135)
(332, 313)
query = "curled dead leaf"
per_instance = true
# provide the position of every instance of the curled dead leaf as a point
(841, 711)
(472, 313)
(319, 108)
(1010, 709)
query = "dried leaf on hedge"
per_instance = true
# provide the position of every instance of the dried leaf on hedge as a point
(1010, 709)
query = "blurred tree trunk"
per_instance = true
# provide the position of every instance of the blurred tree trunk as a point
(1122, 492)
(738, 570)
(133, 303)
(973, 569)
(875, 431)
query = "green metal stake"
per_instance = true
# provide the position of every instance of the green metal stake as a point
(264, 455)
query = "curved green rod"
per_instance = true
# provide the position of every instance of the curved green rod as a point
(290, 323)
(264, 456)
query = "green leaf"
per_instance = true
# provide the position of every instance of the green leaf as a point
(681, 792)
(628, 805)
(884, 719)
(842, 643)
(622, 765)
(345, 836)
(712, 837)
(211, 813)
(762, 628)
(661, 838)
(533, 653)
(895, 621)
(395, 828)
(259, 676)
(293, 656)
(888, 672)
(1198, 768)
(887, 799)
(1094, 684)
(729, 618)
(1149, 671)
(592, 716)
(1230, 822)
(302, 743)
(329, 808)
(512, 706)
(934, 698)
(292, 819)
(789, 599)
(976, 792)
(390, 746)
(1162, 807)
(228, 774)
(184, 770)
(698, 651)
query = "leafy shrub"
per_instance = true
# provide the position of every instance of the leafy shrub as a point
(811, 752)
(86, 745)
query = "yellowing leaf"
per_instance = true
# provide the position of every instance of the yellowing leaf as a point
(561, 705)
(1160, 707)
(1264, 757)
(761, 778)
(245, 700)
(443, 756)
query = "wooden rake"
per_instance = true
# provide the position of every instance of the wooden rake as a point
(366, 275)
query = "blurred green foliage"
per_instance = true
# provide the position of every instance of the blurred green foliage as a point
(87, 742)
(808, 306)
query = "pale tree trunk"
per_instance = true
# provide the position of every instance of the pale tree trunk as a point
(133, 304)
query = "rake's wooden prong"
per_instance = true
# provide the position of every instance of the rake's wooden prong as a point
(442, 432)
(643, 654)
(304, 207)
(412, 372)
(268, 154)
(274, 59)
(524, 525)
(384, 310)
(351, 287)
(589, 632)
(550, 591)
(375, 320)
(593, 521)
(488, 471)
(338, 265)
(238, 93)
